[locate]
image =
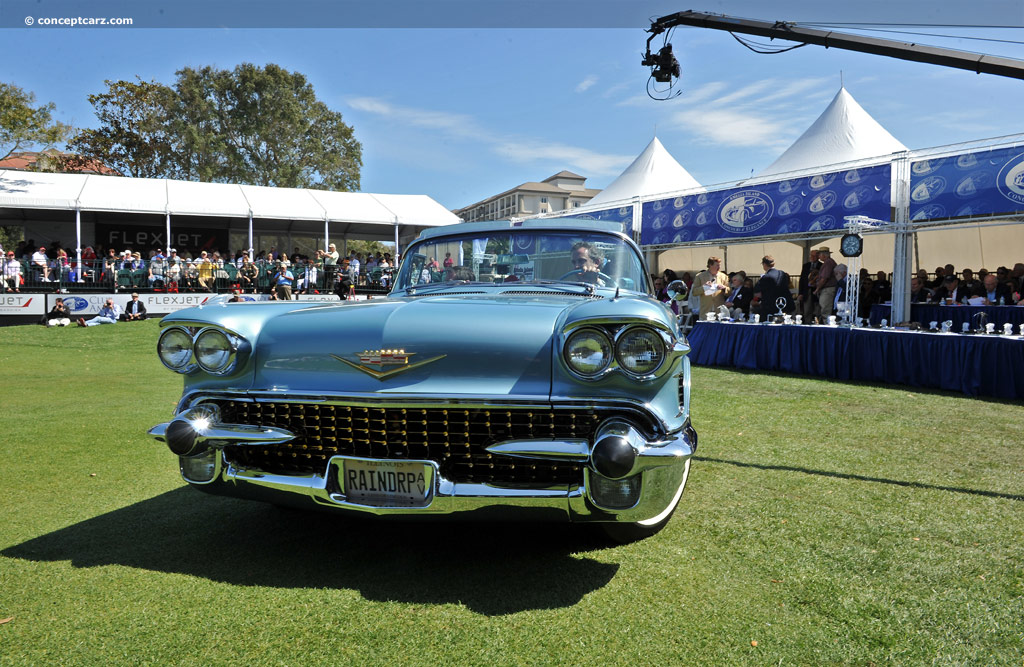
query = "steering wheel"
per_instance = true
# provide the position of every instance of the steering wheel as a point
(608, 280)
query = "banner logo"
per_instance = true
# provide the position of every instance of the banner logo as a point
(928, 189)
(970, 184)
(745, 211)
(930, 212)
(966, 161)
(790, 205)
(681, 219)
(925, 167)
(821, 181)
(1010, 181)
(785, 187)
(76, 303)
(822, 202)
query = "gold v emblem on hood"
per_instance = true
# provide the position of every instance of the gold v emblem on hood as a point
(376, 363)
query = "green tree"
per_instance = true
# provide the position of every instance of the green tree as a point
(268, 125)
(134, 137)
(23, 124)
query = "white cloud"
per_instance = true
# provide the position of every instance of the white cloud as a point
(586, 83)
(735, 128)
(518, 149)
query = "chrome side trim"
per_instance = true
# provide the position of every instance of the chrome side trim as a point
(577, 450)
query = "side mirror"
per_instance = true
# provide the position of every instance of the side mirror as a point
(676, 290)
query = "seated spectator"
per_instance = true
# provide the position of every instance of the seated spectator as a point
(1017, 275)
(41, 265)
(950, 292)
(157, 271)
(918, 292)
(839, 301)
(994, 292)
(204, 272)
(969, 282)
(739, 296)
(940, 273)
(247, 275)
(59, 315)
(881, 290)
(109, 314)
(307, 277)
(135, 311)
(11, 273)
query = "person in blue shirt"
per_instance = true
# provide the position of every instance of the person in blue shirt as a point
(283, 282)
(109, 314)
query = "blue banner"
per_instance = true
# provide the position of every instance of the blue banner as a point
(809, 204)
(623, 214)
(989, 182)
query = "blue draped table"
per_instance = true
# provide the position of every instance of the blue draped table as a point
(975, 365)
(927, 312)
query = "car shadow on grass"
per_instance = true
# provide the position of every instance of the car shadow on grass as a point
(491, 568)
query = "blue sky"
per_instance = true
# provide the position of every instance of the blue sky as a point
(463, 113)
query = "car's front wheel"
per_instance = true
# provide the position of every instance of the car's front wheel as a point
(624, 533)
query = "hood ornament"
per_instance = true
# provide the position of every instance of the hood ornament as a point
(383, 364)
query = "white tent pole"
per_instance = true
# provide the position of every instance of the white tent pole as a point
(251, 255)
(167, 249)
(78, 242)
(902, 245)
(396, 236)
(327, 232)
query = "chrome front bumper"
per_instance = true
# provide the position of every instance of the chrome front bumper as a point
(622, 454)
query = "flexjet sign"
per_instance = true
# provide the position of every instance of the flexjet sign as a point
(21, 304)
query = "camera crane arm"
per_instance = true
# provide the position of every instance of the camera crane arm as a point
(979, 63)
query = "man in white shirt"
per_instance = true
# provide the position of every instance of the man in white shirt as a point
(40, 262)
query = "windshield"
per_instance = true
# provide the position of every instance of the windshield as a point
(524, 256)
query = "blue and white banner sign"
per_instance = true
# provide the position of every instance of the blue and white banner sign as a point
(623, 214)
(809, 204)
(987, 182)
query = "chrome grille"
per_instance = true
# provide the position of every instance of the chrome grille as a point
(455, 438)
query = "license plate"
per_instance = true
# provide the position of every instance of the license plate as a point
(385, 483)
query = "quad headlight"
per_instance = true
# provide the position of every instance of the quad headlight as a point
(640, 350)
(175, 349)
(212, 349)
(214, 352)
(588, 352)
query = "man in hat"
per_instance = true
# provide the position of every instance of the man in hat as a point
(41, 264)
(825, 289)
(950, 291)
(135, 311)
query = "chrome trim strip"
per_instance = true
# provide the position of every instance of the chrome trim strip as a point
(577, 450)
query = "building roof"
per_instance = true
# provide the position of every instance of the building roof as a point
(29, 161)
(565, 174)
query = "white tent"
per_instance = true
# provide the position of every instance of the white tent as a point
(653, 172)
(844, 132)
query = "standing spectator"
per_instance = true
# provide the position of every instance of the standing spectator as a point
(448, 261)
(712, 285)
(740, 296)
(204, 270)
(109, 314)
(283, 281)
(825, 288)
(59, 316)
(353, 269)
(1018, 277)
(772, 286)
(12, 273)
(805, 287)
(41, 265)
(135, 311)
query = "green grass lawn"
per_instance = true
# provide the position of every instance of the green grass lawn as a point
(827, 523)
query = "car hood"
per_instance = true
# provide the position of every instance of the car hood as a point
(470, 345)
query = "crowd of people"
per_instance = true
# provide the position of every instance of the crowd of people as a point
(54, 268)
(820, 290)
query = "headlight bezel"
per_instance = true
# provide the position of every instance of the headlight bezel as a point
(189, 364)
(659, 342)
(237, 348)
(615, 330)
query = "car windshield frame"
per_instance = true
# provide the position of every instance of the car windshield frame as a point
(509, 257)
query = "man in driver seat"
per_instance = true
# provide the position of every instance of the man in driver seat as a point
(587, 260)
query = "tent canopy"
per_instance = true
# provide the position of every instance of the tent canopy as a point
(653, 172)
(37, 190)
(844, 132)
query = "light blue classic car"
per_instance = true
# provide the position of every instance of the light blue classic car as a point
(531, 376)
